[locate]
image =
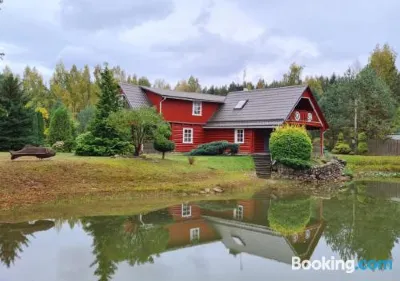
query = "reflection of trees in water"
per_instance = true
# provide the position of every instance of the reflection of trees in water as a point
(289, 216)
(14, 237)
(360, 226)
(122, 238)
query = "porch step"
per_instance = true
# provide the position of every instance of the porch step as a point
(263, 165)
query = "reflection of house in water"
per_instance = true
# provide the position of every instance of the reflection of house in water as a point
(189, 227)
(242, 226)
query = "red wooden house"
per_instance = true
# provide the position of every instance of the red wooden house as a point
(245, 117)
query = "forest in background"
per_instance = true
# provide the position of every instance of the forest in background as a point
(362, 100)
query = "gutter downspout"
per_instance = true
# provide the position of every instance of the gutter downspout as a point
(164, 98)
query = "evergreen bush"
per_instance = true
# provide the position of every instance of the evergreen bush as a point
(215, 148)
(291, 146)
(89, 145)
(341, 147)
(362, 147)
(62, 129)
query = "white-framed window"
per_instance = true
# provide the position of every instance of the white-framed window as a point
(187, 135)
(195, 234)
(239, 135)
(186, 211)
(197, 108)
(238, 212)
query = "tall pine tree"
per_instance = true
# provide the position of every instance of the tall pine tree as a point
(103, 140)
(16, 120)
(109, 102)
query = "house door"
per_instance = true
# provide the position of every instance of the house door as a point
(266, 140)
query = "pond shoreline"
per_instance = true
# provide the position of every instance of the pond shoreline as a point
(29, 182)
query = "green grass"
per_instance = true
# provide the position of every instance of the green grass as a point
(358, 163)
(30, 181)
(225, 163)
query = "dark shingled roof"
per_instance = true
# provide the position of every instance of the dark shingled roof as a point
(186, 95)
(134, 95)
(266, 108)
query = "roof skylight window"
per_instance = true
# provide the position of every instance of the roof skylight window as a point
(241, 104)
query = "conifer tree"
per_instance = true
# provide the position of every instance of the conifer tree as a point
(16, 120)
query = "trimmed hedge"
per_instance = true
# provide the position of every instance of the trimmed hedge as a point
(215, 148)
(291, 146)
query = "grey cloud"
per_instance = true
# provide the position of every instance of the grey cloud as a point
(342, 27)
(105, 14)
(205, 14)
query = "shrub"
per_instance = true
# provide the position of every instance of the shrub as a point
(163, 145)
(341, 147)
(61, 146)
(89, 145)
(215, 148)
(291, 146)
(61, 128)
(289, 216)
(191, 160)
(362, 147)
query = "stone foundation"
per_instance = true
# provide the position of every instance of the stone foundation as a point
(331, 171)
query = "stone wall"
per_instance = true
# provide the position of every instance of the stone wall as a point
(330, 171)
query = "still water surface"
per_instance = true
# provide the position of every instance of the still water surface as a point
(246, 239)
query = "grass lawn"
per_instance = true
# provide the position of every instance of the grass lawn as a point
(29, 180)
(358, 163)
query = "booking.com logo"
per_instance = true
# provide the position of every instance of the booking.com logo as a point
(336, 264)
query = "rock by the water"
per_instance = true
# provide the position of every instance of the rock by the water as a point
(218, 190)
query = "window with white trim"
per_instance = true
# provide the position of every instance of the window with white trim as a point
(239, 136)
(186, 210)
(238, 212)
(187, 135)
(197, 108)
(195, 234)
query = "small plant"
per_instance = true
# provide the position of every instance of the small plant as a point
(191, 160)
(58, 146)
(341, 147)
(362, 147)
(163, 145)
(348, 172)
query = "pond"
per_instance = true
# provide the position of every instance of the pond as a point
(252, 238)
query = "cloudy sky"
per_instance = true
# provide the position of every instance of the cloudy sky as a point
(215, 40)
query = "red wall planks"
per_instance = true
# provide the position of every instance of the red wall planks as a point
(229, 135)
(181, 110)
(177, 136)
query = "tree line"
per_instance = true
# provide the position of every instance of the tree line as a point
(361, 100)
